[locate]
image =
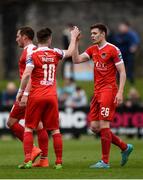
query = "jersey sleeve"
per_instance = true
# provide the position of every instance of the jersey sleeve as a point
(30, 50)
(117, 56)
(88, 52)
(29, 62)
(59, 52)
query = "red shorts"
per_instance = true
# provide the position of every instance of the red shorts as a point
(17, 112)
(102, 106)
(42, 109)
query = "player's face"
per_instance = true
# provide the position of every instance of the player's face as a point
(19, 39)
(97, 36)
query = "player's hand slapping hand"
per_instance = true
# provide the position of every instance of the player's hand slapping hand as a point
(118, 98)
(75, 33)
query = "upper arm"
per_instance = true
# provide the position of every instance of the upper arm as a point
(118, 60)
(83, 58)
(117, 56)
(66, 54)
(60, 53)
(28, 70)
(29, 67)
(121, 68)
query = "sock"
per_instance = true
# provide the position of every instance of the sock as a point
(28, 145)
(118, 142)
(106, 139)
(43, 142)
(58, 147)
(18, 130)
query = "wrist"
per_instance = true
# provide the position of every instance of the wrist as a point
(120, 91)
(73, 38)
(20, 90)
(26, 93)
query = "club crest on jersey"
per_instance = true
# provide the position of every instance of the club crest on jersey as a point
(103, 55)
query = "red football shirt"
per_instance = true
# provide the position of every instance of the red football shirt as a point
(105, 60)
(45, 61)
(24, 56)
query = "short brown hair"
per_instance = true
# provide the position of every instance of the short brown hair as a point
(43, 35)
(100, 26)
(28, 31)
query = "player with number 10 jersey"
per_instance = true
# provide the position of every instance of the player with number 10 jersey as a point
(43, 88)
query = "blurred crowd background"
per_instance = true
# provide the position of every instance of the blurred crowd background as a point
(124, 19)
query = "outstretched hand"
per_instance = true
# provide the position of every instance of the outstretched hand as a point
(75, 33)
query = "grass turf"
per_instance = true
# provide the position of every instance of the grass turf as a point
(77, 156)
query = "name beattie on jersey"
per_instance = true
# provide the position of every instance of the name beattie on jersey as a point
(47, 59)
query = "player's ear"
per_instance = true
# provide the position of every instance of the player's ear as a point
(24, 36)
(103, 34)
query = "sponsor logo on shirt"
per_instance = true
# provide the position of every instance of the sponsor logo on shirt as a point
(101, 66)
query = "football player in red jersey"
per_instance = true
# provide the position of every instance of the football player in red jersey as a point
(24, 40)
(107, 61)
(42, 102)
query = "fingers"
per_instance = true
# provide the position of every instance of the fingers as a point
(118, 101)
(76, 33)
(76, 29)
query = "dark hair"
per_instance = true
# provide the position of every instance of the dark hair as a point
(101, 27)
(43, 35)
(28, 31)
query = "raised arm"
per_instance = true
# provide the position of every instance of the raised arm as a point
(78, 58)
(75, 33)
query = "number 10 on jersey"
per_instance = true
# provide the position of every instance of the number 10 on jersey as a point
(49, 74)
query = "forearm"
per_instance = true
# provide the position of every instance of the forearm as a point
(28, 87)
(24, 82)
(75, 54)
(71, 46)
(122, 81)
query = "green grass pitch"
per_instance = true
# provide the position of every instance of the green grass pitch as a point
(77, 156)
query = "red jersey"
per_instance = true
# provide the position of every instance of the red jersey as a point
(45, 61)
(105, 60)
(24, 56)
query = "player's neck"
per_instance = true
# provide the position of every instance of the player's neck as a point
(44, 45)
(27, 43)
(102, 43)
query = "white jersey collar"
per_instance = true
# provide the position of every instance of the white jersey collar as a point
(101, 47)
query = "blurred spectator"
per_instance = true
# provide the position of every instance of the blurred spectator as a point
(65, 92)
(9, 95)
(77, 98)
(133, 98)
(127, 40)
(67, 65)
